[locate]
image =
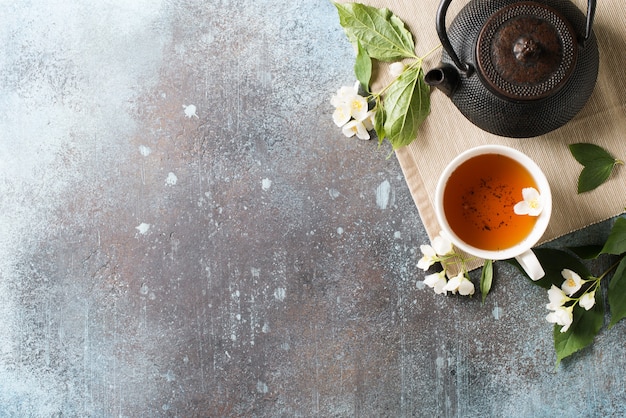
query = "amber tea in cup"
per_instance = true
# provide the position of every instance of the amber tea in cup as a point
(479, 198)
(475, 199)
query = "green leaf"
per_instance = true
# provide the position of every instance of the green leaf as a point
(363, 67)
(617, 294)
(598, 165)
(581, 333)
(553, 262)
(380, 32)
(587, 154)
(593, 176)
(379, 122)
(486, 278)
(407, 104)
(587, 252)
(616, 242)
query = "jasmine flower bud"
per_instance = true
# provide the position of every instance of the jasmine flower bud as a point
(396, 68)
(588, 300)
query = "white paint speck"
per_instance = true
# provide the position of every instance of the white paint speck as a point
(397, 235)
(261, 387)
(143, 228)
(420, 285)
(497, 312)
(171, 179)
(190, 111)
(383, 192)
(440, 362)
(280, 293)
(340, 230)
(144, 289)
(170, 376)
(266, 184)
(144, 150)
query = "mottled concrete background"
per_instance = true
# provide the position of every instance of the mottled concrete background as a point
(185, 233)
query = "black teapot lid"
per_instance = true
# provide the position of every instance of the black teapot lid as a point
(526, 51)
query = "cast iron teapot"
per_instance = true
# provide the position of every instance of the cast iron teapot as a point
(517, 68)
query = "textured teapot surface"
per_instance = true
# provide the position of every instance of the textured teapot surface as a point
(518, 69)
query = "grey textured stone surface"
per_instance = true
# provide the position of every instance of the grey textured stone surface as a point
(184, 232)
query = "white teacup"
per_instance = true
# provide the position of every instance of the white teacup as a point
(477, 185)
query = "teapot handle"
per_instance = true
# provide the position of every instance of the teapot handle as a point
(465, 67)
(443, 36)
(591, 12)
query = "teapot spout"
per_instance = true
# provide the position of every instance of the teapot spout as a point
(445, 78)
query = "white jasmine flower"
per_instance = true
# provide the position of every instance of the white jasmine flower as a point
(466, 287)
(562, 316)
(344, 95)
(588, 300)
(572, 282)
(531, 205)
(429, 257)
(341, 115)
(437, 281)
(396, 68)
(358, 107)
(355, 127)
(368, 120)
(350, 102)
(442, 245)
(461, 284)
(557, 298)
